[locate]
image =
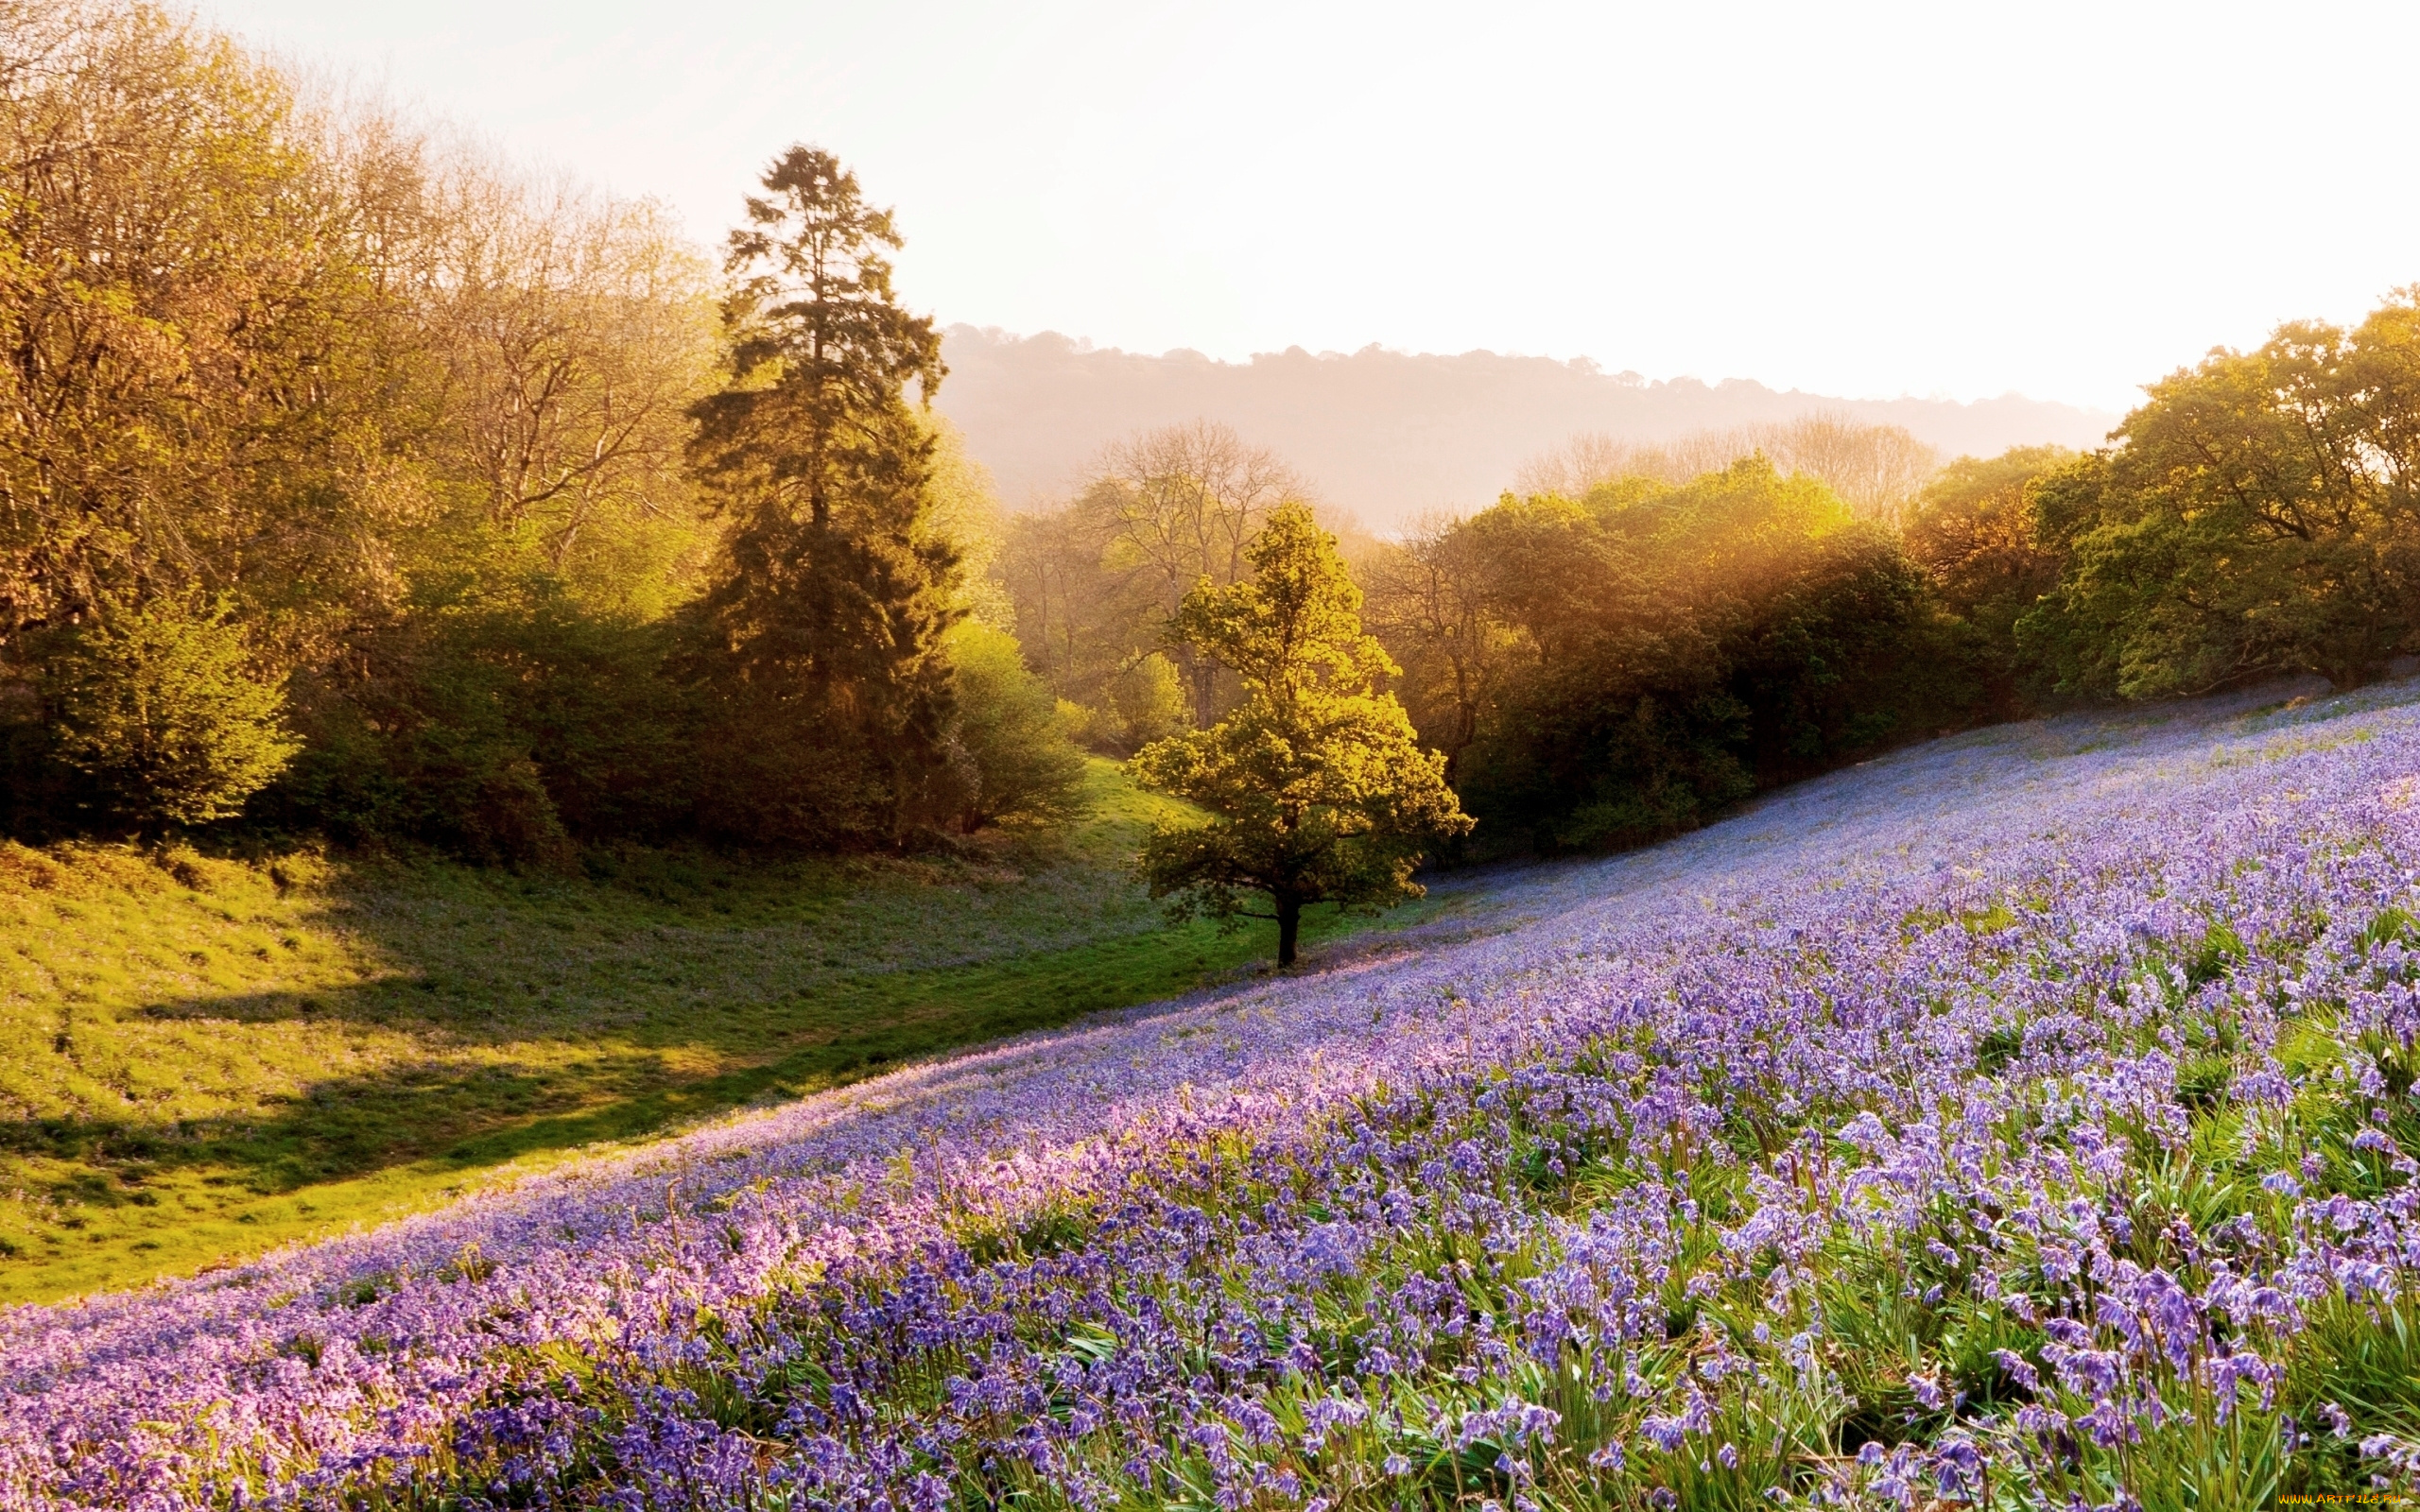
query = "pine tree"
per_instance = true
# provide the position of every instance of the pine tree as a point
(822, 638)
(1319, 788)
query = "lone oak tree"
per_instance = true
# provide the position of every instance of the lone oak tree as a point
(1319, 788)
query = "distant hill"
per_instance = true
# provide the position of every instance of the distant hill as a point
(1388, 435)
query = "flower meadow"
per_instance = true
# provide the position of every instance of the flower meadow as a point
(2024, 1120)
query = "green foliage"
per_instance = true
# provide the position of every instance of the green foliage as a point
(1024, 765)
(162, 708)
(1434, 602)
(194, 355)
(1672, 649)
(546, 554)
(1977, 531)
(822, 349)
(2257, 519)
(1606, 671)
(500, 723)
(817, 652)
(1096, 581)
(358, 390)
(823, 687)
(1319, 789)
(2366, 1363)
(1142, 702)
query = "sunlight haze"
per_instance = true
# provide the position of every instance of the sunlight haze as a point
(2059, 201)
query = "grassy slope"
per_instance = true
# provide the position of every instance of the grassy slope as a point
(200, 1060)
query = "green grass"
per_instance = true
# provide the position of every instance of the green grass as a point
(202, 1059)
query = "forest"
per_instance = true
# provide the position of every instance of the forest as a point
(354, 484)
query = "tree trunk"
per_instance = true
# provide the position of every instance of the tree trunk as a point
(1203, 674)
(1289, 925)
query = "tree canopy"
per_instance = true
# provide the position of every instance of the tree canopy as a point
(2261, 515)
(353, 481)
(1317, 786)
(1611, 669)
(1096, 581)
(821, 350)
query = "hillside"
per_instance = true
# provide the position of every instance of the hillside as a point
(2025, 1117)
(1390, 434)
(204, 1057)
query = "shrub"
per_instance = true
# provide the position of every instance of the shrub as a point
(1023, 765)
(1146, 703)
(500, 724)
(164, 713)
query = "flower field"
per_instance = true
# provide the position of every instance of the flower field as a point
(2023, 1120)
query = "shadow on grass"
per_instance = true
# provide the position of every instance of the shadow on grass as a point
(226, 1056)
(500, 1018)
(469, 1114)
(666, 951)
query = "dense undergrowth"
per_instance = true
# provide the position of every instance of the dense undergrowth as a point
(202, 1057)
(2026, 1121)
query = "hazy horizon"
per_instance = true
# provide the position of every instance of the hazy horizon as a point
(1390, 435)
(1583, 361)
(1859, 200)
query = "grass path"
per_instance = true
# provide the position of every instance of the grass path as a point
(200, 1060)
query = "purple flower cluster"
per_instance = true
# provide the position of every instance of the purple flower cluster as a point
(2025, 1119)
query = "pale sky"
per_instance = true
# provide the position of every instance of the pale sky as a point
(2061, 200)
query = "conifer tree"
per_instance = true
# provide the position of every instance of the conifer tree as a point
(823, 634)
(1319, 788)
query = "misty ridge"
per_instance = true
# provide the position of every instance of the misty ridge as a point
(1390, 437)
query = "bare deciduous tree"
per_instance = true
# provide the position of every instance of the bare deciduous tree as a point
(1876, 470)
(1429, 603)
(1177, 506)
(576, 332)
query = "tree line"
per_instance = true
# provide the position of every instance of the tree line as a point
(1637, 636)
(352, 482)
(1624, 650)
